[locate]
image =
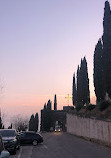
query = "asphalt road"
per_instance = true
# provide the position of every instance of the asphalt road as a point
(63, 145)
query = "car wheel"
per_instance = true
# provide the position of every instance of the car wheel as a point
(18, 146)
(14, 152)
(34, 142)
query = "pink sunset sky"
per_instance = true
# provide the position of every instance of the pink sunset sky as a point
(41, 45)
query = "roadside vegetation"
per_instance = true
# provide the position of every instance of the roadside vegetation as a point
(101, 76)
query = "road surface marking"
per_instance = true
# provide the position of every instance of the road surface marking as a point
(45, 146)
(20, 153)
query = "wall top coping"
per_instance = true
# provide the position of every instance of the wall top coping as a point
(90, 117)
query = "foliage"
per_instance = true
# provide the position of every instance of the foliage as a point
(74, 92)
(102, 58)
(36, 122)
(107, 49)
(1, 124)
(90, 107)
(78, 107)
(104, 105)
(49, 105)
(98, 73)
(81, 95)
(33, 123)
(10, 127)
(55, 102)
(20, 123)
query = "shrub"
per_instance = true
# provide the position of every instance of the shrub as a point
(78, 107)
(103, 105)
(90, 107)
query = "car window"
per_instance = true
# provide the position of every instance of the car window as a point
(8, 133)
(30, 134)
(22, 134)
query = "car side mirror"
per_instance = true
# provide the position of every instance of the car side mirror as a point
(4, 154)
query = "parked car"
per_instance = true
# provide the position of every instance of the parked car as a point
(30, 138)
(3, 152)
(10, 139)
(51, 129)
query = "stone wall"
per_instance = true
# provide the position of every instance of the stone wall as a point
(89, 128)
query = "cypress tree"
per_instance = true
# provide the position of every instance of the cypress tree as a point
(45, 107)
(78, 86)
(83, 93)
(55, 103)
(74, 92)
(85, 83)
(1, 125)
(36, 122)
(49, 105)
(106, 58)
(31, 123)
(81, 83)
(98, 72)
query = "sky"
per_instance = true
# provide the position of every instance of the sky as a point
(41, 45)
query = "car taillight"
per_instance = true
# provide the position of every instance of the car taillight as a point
(41, 137)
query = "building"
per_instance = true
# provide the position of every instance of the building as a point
(50, 117)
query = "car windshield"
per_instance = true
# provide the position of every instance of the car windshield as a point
(7, 133)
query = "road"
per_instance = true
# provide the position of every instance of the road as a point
(63, 145)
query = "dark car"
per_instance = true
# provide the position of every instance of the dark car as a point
(30, 138)
(10, 139)
(3, 152)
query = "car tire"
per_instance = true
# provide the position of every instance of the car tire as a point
(35, 142)
(18, 147)
(14, 152)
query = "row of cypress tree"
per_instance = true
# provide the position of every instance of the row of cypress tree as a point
(102, 68)
(102, 59)
(81, 94)
(33, 123)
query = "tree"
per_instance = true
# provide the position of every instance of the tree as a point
(10, 127)
(83, 93)
(45, 106)
(32, 123)
(78, 85)
(106, 57)
(102, 59)
(98, 72)
(36, 122)
(49, 105)
(1, 124)
(74, 91)
(20, 123)
(55, 102)
(85, 83)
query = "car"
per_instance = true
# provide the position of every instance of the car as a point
(57, 129)
(30, 137)
(3, 152)
(10, 140)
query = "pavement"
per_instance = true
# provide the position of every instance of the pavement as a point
(63, 145)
